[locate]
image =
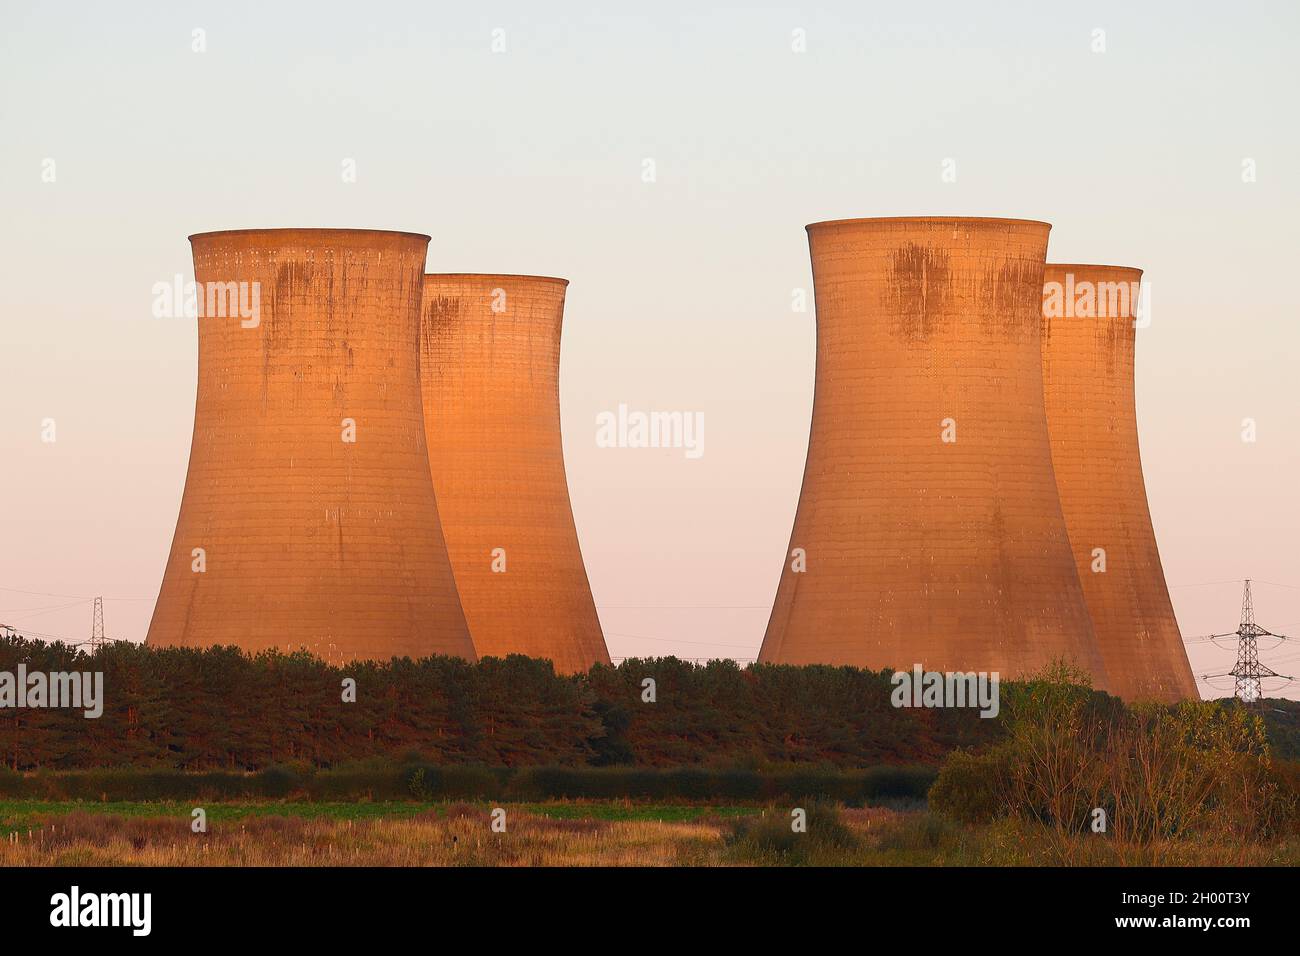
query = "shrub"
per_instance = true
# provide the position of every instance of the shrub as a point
(1158, 772)
(431, 783)
(11, 784)
(922, 832)
(970, 788)
(279, 781)
(771, 837)
(886, 782)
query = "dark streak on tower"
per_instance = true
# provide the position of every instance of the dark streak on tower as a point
(953, 555)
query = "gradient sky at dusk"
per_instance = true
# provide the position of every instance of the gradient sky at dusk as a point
(531, 160)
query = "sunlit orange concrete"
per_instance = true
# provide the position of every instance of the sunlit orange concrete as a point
(310, 541)
(951, 554)
(1088, 344)
(490, 351)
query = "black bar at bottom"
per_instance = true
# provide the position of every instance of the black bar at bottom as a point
(572, 906)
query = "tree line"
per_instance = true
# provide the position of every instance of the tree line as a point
(222, 709)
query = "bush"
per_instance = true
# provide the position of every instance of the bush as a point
(431, 783)
(1158, 772)
(11, 784)
(970, 788)
(908, 782)
(380, 780)
(279, 781)
(924, 832)
(771, 837)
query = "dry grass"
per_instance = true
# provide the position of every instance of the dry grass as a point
(459, 838)
(461, 835)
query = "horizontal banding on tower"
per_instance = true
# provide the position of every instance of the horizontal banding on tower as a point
(490, 354)
(1088, 341)
(929, 519)
(308, 520)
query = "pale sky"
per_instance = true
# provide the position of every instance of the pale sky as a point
(531, 160)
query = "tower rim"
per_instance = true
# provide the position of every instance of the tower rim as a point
(1093, 265)
(494, 275)
(920, 220)
(322, 232)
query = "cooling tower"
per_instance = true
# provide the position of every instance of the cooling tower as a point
(1088, 338)
(490, 353)
(929, 528)
(308, 519)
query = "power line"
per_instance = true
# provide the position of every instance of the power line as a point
(49, 610)
(43, 607)
(84, 597)
(42, 635)
(673, 640)
(1207, 584)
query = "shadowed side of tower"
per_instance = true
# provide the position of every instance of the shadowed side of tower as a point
(928, 523)
(308, 520)
(1088, 348)
(490, 350)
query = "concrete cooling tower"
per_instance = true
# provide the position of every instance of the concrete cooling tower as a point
(929, 528)
(308, 519)
(490, 352)
(1088, 339)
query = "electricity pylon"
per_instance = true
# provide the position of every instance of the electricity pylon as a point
(1248, 671)
(97, 627)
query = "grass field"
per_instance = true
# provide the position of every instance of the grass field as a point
(616, 833)
(23, 815)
